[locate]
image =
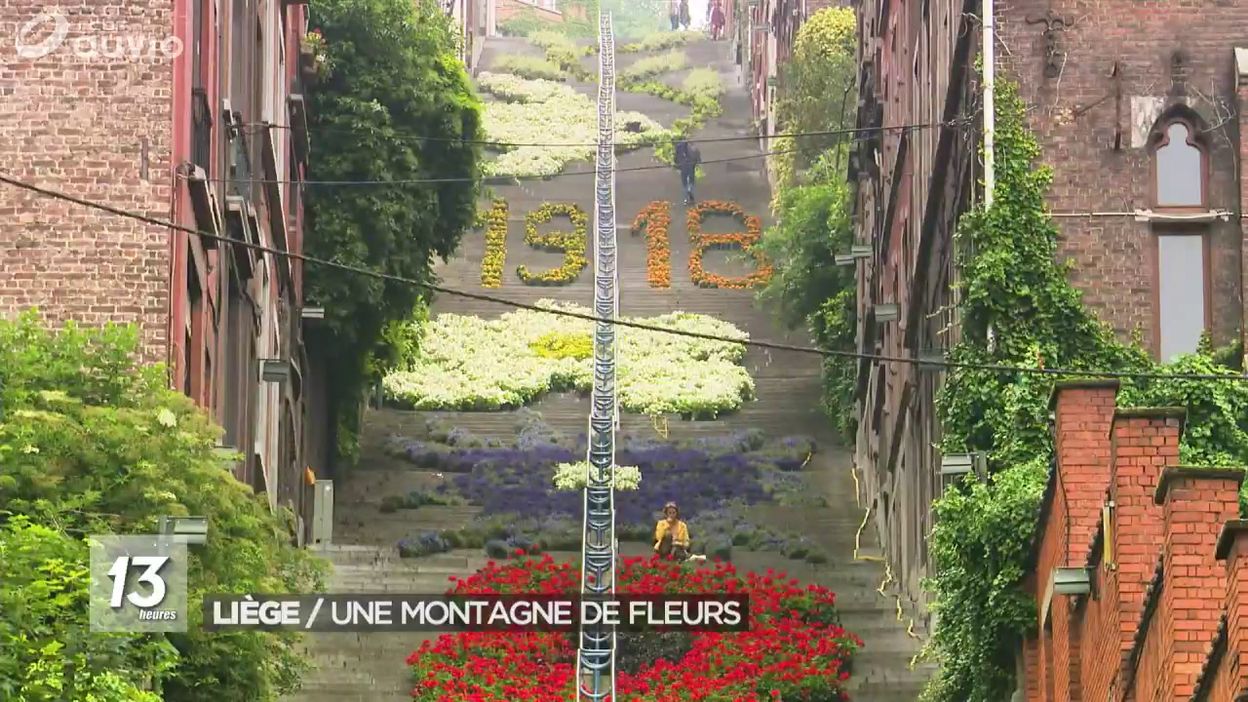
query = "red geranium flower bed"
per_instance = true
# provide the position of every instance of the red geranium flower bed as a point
(794, 648)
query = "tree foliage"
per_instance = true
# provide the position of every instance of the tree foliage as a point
(395, 73)
(92, 443)
(811, 205)
(808, 289)
(1019, 309)
(817, 83)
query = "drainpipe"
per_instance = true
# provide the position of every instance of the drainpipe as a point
(990, 180)
(989, 55)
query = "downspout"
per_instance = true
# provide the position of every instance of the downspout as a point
(989, 49)
(990, 181)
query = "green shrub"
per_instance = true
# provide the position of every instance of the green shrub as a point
(94, 443)
(529, 67)
(651, 66)
(658, 41)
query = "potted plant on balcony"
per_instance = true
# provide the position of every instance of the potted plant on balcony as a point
(313, 56)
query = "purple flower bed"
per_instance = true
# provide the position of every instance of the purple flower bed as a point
(713, 480)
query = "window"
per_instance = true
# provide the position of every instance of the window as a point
(1179, 168)
(1182, 293)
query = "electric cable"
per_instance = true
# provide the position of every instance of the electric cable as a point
(402, 136)
(496, 180)
(880, 358)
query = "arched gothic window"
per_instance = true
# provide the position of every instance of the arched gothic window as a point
(1178, 168)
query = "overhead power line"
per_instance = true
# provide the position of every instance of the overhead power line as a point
(402, 136)
(827, 353)
(504, 180)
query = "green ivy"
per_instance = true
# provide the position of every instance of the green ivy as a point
(1014, 285)
(92, 443)
(395, 73)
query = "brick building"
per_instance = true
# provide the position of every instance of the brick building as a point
(764, 32)
(1140, 568)
(1137, 108)
(164, 109)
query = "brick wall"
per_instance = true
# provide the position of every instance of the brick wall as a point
(508, 9)
(98, 128)
(1152, 626)
(1077, 116)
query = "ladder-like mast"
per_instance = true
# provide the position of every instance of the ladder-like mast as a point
(596, 657)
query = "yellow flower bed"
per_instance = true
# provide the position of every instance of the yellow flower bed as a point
(572, 244)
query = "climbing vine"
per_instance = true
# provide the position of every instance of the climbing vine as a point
(1019, 309)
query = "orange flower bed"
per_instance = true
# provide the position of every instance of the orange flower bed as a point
(746, 241)
(656, 220)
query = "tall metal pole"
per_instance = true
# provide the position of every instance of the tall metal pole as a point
(596, 657)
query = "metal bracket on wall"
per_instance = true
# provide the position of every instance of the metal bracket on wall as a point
(1052, 25)
(1115, 76)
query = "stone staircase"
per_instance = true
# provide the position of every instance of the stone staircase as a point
(368, 667)
(371, 667)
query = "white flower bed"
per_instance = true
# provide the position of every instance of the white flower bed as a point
(547, 112)
(573, 476)
(470, 363)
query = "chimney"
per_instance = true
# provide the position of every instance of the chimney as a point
(1143, 442)
(1196, 503)
(1083, 416)
(1233, 548)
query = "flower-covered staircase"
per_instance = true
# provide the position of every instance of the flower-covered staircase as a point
(354, 667)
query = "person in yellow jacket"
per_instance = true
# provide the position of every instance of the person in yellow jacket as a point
(671, 534)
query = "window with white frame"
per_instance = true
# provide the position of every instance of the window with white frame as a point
(1182, 292)
(1179, 168)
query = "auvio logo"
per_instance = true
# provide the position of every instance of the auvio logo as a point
(49, 31)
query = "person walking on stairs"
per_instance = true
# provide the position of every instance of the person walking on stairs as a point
(673, 13)
(718, 19)
(685, 17)
(687, 160)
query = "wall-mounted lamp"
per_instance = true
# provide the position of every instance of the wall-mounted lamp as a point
(957, 464)
(856, 253)
(887, 313)
(273, 370)
(186, 530)
(312, 313)
(1071, 581)
(931, 359)
(1065, 581)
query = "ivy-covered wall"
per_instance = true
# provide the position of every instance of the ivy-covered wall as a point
(1015, 285)
(1170, 60)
